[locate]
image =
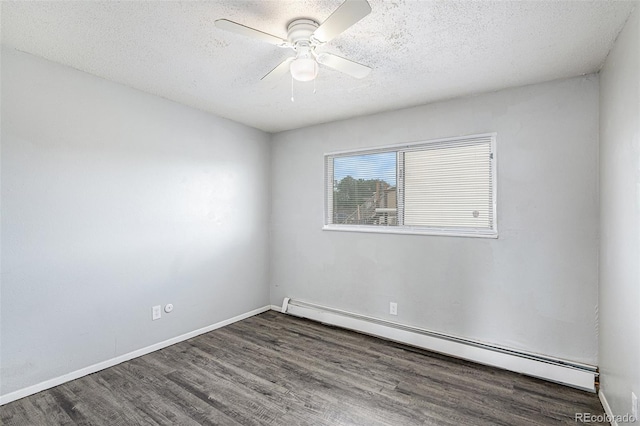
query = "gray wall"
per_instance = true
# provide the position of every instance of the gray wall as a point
(113, 201)
(535, 288)
(620, 219)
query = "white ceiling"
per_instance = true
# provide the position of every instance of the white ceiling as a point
(420, 51)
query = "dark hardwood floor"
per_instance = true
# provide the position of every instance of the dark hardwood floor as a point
(274, 369)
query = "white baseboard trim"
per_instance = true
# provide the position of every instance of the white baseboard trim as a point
(612, 418)
(607, 408)
(30, 390)
(576, 375)
(276, 308)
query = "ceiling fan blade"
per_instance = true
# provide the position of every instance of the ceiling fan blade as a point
(278, 71)
(346, 66)
(234, 27)
(349, 12)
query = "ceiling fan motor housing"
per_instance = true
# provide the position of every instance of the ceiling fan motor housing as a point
(300, 30)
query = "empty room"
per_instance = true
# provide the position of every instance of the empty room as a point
(297, 212)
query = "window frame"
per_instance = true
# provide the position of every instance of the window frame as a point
(405, 229)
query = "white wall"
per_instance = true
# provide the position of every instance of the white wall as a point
(620, 219)
(535, 288)
(113, 201)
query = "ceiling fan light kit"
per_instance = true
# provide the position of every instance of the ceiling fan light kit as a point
(304, 69)
(304, 36)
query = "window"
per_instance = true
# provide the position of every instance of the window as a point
(443, 187)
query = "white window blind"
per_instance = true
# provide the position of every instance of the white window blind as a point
(435, 187)
(449, 186)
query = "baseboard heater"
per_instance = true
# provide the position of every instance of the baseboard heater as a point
(581, 376)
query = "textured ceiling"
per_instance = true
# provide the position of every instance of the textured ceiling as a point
(420, 51)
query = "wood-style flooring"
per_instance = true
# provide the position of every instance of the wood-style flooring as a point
(274, 369)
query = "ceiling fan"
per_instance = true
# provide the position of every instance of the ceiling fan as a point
(304, 36)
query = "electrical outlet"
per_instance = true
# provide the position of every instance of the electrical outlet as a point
(157, 312)
(393, 308)
(634, 405)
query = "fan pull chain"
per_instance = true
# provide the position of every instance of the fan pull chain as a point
(292, 100)
(314, 86)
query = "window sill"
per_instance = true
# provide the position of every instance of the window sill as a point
(409, 231)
